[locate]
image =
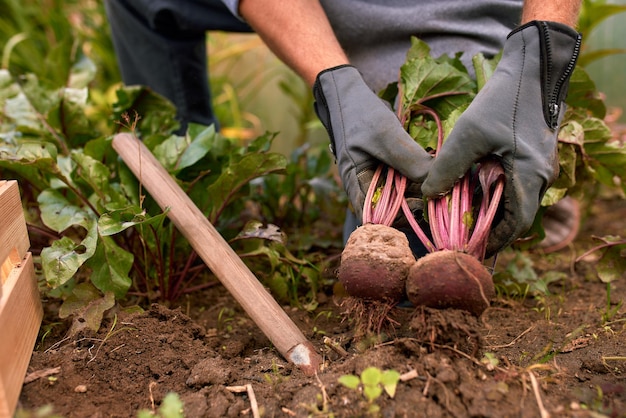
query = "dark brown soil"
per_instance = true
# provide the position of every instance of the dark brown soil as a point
(524, 357)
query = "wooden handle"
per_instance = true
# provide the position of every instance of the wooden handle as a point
(217, 254)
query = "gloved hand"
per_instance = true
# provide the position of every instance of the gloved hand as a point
(364, 132)
(516, 118)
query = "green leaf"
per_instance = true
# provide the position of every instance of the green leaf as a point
(59, 214)
(118, 220)
(179, 152)
(484, 68)
(263, 143)
(94, 173)
(157, 115)
(40, 97)
(82, 73)
(169, 151)
(371, 376)
(36, 154)
(23, 115)
(87, 303)
(594, 12)
(256, 229)
(8, 88)
(612, 264)
(272, 254)
(171, 406)
(389, 380)
(350, 381)
(68, 118)
(237, 175)
(552, 196)
(587, 57)
(426, 80)
(572, 132)
(278, 284)
(110, 266)
(372, 392)
(64, 257)
(201, 144)
(582, 93)
(442, 85)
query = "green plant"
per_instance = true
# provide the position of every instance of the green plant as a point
(305, 196)
(274, 378)
(592, 14)
(225, 317)
(609, 267)
(106, 235)
(171, 407)
(372, 382)
(519, 279)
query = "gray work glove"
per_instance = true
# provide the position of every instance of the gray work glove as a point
(364, 132)
(516, 118)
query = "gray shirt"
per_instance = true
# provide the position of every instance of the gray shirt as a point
(376, 33)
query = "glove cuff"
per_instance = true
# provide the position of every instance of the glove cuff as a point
(323, 81)
(559, 46)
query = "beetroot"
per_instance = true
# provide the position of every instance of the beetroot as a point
(450, 279)
(452, 275)
(375, 263)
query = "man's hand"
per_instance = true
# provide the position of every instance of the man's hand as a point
(364, 132)
(516, 118)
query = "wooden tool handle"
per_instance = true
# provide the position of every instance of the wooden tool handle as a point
(217, 254)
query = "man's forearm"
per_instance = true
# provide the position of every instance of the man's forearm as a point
(562, 11)
(298, 32)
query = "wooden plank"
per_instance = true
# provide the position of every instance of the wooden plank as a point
(20, 319)
(14, 242)
(20, 305)
(218, 255)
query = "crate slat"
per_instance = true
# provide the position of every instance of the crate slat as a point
(20, 304)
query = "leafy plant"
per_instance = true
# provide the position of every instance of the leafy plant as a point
(609, 267)
(372, 382)
(519, 279)
(592, 14)
(99, 238)
(106, 235)
(612, 261)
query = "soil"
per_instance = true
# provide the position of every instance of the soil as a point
(538, 356)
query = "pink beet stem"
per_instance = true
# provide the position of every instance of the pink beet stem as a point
(418, 230)
(367, 207)
(449, 215)
(490, 173)
(398, 196)
(455, 219)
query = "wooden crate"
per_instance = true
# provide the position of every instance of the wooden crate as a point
(20, 304)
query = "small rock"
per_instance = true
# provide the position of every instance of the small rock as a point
(80, 389)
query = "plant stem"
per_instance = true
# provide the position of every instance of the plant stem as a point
(450, 215)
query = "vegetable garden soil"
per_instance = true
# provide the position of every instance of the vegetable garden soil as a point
(522, 358)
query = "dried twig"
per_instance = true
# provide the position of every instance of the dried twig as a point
(236, 389)
(410, 375)
(335, 346)
(288, 411)
(533, 380)
(253, 404)
(324, 394)
(514, 340)
(150, 386)
(39, 374)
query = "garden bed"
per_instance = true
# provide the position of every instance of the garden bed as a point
(559, 354)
